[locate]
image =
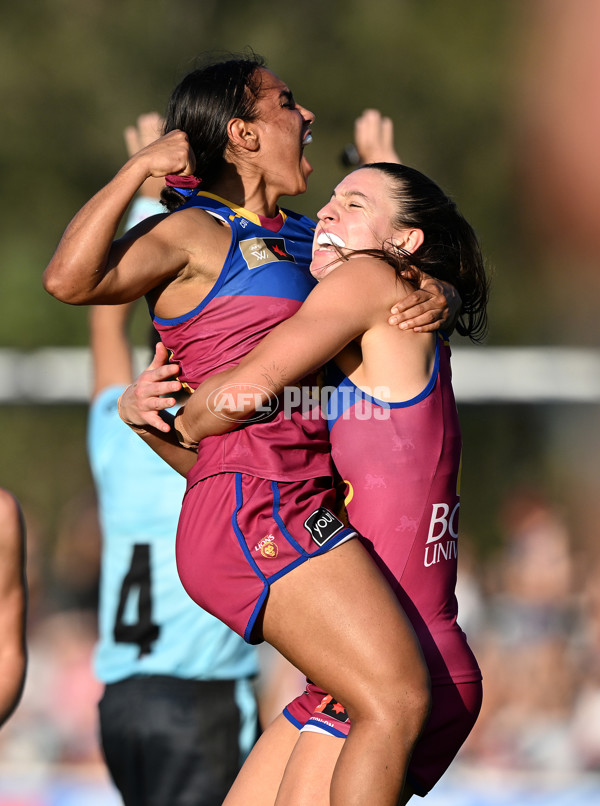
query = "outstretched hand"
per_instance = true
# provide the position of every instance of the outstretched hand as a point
(374, 137)
(141, 402)
(434, 306)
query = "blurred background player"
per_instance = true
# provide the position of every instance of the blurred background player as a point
(13, 604)
(178, 714)
(373, 140)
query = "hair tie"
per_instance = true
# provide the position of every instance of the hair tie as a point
(182, 182)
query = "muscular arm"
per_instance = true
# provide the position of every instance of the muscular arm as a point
(89, 266)
(13, 605)
(344, 305)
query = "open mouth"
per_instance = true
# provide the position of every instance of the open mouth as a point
(306, 140)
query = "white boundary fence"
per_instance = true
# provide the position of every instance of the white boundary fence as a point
(483, 375)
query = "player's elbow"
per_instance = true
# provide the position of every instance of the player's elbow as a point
(58, 282)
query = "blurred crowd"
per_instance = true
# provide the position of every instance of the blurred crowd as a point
(531, 611)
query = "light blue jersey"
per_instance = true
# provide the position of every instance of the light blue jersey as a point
(148, 625)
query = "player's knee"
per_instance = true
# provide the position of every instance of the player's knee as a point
(404, 705)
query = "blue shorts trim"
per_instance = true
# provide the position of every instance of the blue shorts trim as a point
(322, 727)
(296, 723)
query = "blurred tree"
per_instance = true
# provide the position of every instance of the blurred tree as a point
(75, 72)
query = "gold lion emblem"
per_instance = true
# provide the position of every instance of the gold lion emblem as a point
(268, 547)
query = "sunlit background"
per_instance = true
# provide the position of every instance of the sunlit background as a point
(499, 102)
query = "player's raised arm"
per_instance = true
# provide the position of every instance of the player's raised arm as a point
(88, 266)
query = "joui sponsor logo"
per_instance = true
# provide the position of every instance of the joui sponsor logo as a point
(322, 525)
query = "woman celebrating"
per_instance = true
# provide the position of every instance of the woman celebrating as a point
(400, 456)
(220, 273)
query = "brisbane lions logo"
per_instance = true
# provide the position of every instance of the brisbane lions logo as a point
(267, 547)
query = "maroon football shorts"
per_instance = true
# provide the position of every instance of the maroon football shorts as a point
(239, 533)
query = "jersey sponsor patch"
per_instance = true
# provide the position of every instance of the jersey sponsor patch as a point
(322, 525)
(332, 708)
(258, 251)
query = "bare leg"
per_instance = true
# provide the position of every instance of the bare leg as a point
(308, 774)
(258, 781)
(307, 778)
(337, 620)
